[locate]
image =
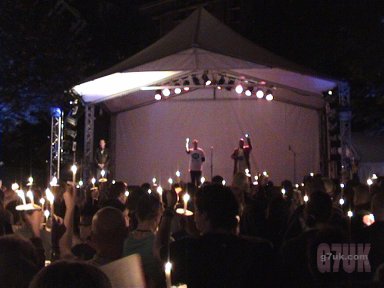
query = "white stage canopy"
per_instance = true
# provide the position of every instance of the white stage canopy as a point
(149, 139)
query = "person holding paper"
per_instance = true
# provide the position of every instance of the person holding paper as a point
(197, 157)
(241, 155)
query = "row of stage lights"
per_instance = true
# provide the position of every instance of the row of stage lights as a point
(247, 89)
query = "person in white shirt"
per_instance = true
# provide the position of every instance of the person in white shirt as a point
(197, 157)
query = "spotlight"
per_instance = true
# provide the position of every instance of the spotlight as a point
(259, 93)
(269, 95)
(177, 90)
(56, 112)
(186, 85)
(195, 80)
(166, 92)
(230, 84)
(248, 92)
(220, 82)
(239, 89)
(158, 95)
(207, 81)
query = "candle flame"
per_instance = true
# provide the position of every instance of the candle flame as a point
(186, 197)
(49, 195)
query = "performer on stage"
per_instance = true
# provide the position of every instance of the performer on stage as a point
(195, 162)
(102, 159)
(241, 156)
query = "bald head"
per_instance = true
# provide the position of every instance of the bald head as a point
(108, 225)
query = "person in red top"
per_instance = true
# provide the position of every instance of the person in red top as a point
(241, 156)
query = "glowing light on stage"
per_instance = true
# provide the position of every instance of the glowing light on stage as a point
(158, 95)
(206, 79)
(239, 89)
(259, 94)
(220, 82)
(177, 90)
(341, 201)
(269, 96)
(374, 177)
(349, 213)
(186, 84)
(306, 198)
(15, 186)
(166, 92)
(248, 92)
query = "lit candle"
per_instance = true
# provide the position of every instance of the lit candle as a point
(21, 194)
(170, 181)
(306, 198)
(223, 182)
(186, 198)
(74, 170)
(51, 199)
(81, 183)
(93, 181)
(53, 181)
(30, 181)
(283, 191)
(15, 186)
(369, 182)
(30, 196)
(178, 174)
(341, 201)
(149, 191)
(159, 190)
(46, 215)
(202, 180)
(126, 193)
(168, 269)
(311, 174)
(374, 177)
(265, 173)
(349, 213)
(102, 173)
(154, 180)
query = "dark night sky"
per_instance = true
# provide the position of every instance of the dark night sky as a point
(42, 54)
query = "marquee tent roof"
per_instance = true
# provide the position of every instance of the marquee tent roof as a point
(201, 42)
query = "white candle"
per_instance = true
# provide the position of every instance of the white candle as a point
(159, 190)
(53, 181)
(283, 191)
(74, 170)
(350, 213)
(202, 180)
(168, 269)
(51, 199)
(15, 186)
(46, 215)
(341, 201)
(102, 173)
(93, 181)
(369, 182)
(186, 198)
(223, 182)
(306, 198)
(154, 180)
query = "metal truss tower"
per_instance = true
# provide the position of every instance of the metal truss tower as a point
(56, 142)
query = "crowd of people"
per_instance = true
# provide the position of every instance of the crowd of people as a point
(241, 234)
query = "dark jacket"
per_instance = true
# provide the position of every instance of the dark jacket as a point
(247, 151)
(102, 158)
